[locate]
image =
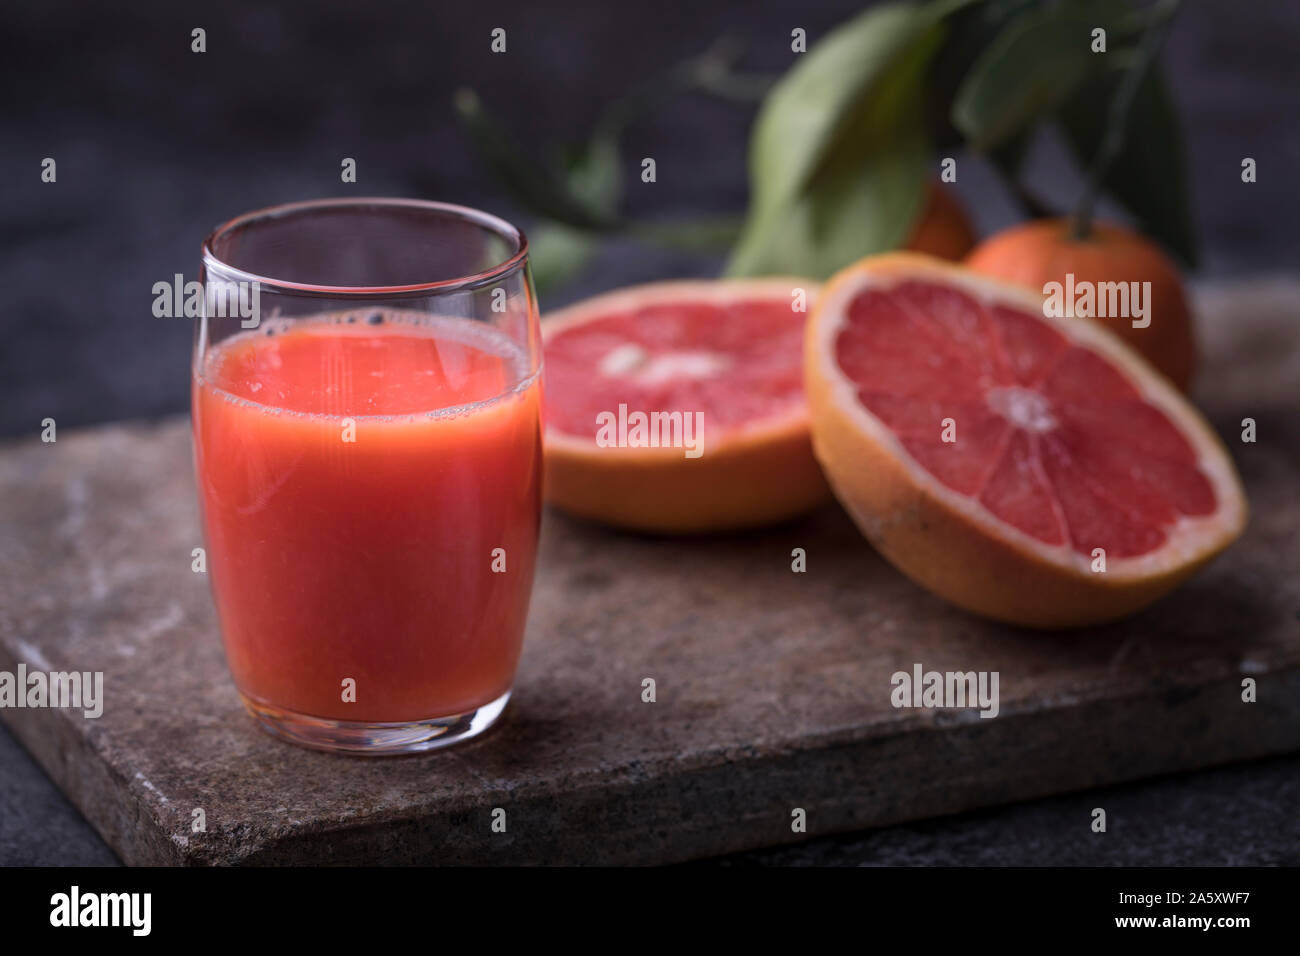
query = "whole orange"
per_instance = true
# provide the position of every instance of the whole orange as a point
(944, 229)
(1042, 251)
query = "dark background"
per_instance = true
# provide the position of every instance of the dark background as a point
(155, 145)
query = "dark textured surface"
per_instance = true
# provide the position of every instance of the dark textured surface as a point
(38, 826)
(773, 687)
(1234, 816)
(1243, 815)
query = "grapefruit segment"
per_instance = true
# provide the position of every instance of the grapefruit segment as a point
(995, 454)
(1036, 253)
(726, 353)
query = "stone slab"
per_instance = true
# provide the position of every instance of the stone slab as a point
(773, 687)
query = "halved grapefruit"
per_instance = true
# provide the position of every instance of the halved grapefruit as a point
(725, 354)
(1034, 470)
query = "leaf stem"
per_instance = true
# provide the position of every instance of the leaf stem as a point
(1153, 37)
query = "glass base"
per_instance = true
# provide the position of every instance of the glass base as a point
(375, 739)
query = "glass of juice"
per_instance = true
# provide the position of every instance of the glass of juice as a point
(366, 411)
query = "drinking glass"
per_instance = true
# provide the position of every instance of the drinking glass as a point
(366, 414)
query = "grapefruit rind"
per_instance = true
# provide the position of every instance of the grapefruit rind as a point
(756, 473)
(949, 542)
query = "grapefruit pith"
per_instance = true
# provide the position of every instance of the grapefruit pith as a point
(1035, 470)
(678, 407)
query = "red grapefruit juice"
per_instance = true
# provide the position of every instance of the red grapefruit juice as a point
(356, 480)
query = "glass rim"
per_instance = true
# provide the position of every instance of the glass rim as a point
(484, 220)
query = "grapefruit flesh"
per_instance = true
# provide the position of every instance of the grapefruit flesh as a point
(1031, 469)
(1045, 250)
(725, 354)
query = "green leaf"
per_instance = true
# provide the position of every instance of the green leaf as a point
(595, 174)
(530, 183)
(805, 116)
(1149, 174)
(1037, 62)
(855, 210)
(837, 177)
(556, 253)
(970, 32)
